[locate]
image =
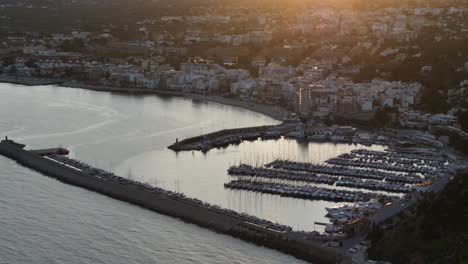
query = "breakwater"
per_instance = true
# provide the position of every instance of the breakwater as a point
(226, 137)
(172, 204)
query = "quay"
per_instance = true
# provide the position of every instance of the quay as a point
(226, 137)
(194, 211)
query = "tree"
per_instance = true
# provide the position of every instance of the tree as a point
(13, 70)
(433, 101)
(8, 61)
(74, 45)
(385, 116)
(463, 120)
(31, 63)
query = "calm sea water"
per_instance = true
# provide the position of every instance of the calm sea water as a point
(45, 221)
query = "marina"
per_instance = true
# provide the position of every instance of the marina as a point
(384, 178)
(247, 227)
(115, 150)
(132, 144)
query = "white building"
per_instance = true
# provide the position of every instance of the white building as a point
(366, 106)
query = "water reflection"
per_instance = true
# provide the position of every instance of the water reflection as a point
(129, 135)
(203, 176)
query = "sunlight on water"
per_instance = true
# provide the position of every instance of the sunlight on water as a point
(45, 221)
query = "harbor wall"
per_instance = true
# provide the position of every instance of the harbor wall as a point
(126, 192)
(220, 133)
(293, 245)
(173, 206)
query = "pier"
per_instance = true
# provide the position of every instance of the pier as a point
(225, 137)
(191, 210)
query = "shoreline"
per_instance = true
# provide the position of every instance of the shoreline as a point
(28, 81)
(273, 112)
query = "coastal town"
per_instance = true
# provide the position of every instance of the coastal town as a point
(364, 74)
(266, 58)
(373, 187)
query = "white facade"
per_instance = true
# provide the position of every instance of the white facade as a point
(366, 106)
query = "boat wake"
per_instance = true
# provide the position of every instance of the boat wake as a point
(67, 133)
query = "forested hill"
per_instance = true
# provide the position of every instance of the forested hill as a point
(435, 232)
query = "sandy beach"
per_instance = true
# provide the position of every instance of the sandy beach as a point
(274, 112)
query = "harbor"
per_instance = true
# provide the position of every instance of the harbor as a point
(290, 162)
(225, 221)
(135, 147)
(366, 185)
(369, 186)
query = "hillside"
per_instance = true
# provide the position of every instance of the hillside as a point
(434, 232)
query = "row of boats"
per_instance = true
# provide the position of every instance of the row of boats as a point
(248, 170)
(102, 174)
(397, 160)
(265, 173)
(348, 161)
(306, 191)
(422, 156)
(345, 171)
(343, 213)
(374, 185)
